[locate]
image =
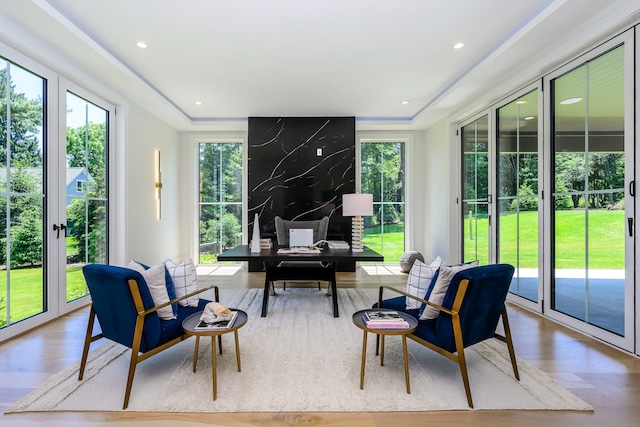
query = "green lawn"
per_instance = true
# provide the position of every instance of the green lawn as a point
(606, 239)
(391, 245)
(27, 291)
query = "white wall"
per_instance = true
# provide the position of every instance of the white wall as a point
(148, 239)
(439, 192)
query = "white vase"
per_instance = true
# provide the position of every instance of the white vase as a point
(255, 240)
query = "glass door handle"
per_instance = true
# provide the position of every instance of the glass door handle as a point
(630, 223)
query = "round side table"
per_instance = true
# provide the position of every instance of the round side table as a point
(189, 326)
(360, 322)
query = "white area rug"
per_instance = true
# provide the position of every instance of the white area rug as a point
(300, 358)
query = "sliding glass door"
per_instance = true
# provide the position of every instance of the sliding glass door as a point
(592, 219)
(518, 145)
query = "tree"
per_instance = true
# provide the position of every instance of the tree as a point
(25, 125)
(26, 239)
(21, 213)
(570, 169)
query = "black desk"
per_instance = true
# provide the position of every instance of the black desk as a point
(270, 258)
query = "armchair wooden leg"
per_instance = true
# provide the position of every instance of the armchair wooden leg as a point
(457, 331)
(135, 348)
(87, 342)
(507, 339)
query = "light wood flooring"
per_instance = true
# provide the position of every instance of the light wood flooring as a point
(605, 377)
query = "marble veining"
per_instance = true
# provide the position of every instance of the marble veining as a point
(299, 167)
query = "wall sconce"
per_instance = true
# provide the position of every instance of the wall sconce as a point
(357, 205)
(158, 188)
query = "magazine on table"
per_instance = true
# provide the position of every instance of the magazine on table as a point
(302, 250)
(383, 316)
(219, 325)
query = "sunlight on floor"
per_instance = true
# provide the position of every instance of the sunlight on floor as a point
(218, 270)
(382, 270)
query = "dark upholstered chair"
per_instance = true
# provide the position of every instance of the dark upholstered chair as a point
(470, 312)
(300, 270)
(125, 310)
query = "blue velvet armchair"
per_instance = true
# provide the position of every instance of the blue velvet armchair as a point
(473, 305)
(125, 310)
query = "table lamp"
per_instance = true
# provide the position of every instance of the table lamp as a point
(356, 206)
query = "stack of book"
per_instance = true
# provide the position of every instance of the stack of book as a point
(264, 244)
(338, 244)
(384, 319)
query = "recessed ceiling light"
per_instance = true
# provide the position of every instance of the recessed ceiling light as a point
(529, 118)
(405, 102)
(141, 45)
(458, 45)
(198, 103)
(570, 101)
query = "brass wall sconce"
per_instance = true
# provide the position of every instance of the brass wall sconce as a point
(158, 188)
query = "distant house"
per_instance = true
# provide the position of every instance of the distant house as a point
(77, 180)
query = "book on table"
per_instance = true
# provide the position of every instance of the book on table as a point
(217, 326)
(401, 324)
(384, 319)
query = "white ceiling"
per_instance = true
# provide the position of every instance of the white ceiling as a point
(274, 58)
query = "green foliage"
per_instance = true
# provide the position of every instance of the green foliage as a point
(224, 231)
(525, 203)
(562, 201)
(26, 239)
(26, 118)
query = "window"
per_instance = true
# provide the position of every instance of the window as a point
(220, 198)
(80, 186)
(382, 173)
(475, 190)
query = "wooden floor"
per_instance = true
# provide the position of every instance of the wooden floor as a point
(605, 377)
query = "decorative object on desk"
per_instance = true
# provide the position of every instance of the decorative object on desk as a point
(306, 341)
(357, 205)
(408, 258)
(255, 240)
(266, 244)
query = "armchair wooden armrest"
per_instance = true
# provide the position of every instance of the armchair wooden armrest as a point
(439, 307)
(189, 295)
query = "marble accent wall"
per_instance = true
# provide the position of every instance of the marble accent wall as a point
(299, 168)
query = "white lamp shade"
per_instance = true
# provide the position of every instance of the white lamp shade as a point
(357, 204)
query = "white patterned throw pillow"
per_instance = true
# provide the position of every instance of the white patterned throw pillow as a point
(419, 280)
(155, 278)
(441, 286)
(185, 280)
